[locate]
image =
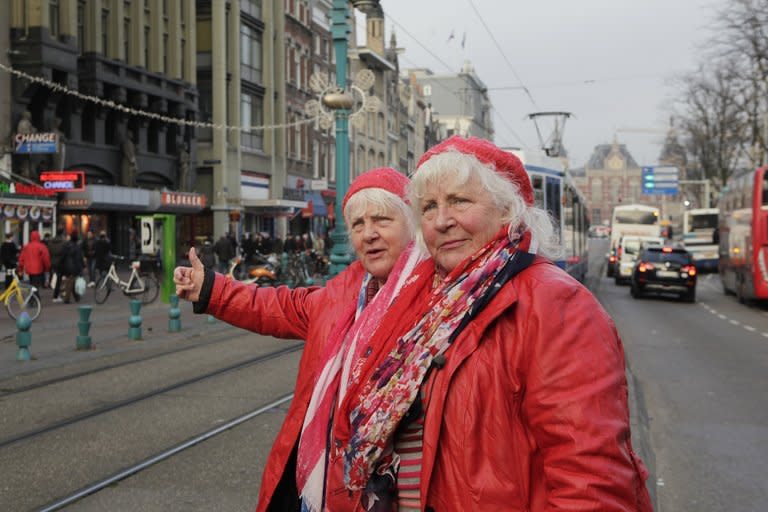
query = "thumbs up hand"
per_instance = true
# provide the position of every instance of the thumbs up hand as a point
(189, 280)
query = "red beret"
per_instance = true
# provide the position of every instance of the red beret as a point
(384, 177)
(504, 162)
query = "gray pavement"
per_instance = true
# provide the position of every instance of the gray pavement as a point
(55, 331)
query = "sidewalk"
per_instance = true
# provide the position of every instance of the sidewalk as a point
(55, 331)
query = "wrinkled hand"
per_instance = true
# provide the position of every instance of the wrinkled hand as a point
(189, 280)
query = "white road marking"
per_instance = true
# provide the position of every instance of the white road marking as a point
(722, 317)
(660, 482)
(735, 322)
(750, 328)
(765, 334)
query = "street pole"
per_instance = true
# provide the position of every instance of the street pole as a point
(340, 29)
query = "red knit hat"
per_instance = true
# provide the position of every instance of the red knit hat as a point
(504, 162)
(384, 178)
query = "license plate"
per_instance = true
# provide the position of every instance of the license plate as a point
(666, 273)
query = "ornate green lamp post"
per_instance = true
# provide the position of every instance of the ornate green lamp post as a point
(342, 102)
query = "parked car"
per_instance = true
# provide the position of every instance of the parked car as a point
(630, 247)
(664, 270)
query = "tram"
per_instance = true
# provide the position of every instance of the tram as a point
(555, 191)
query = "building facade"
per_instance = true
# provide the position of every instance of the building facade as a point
(140, 55)
(459, 104)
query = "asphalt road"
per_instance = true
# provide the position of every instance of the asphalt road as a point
(701, 371)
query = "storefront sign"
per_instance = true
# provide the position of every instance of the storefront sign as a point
(45, 142)
(293, 194)
(321, 184)
(63, 181)
(23, 188)
(169, 198)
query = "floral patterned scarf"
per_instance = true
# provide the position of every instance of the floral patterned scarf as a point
(390, 381)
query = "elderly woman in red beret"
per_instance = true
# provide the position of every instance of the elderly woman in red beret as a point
(497, 382)
(334, 320)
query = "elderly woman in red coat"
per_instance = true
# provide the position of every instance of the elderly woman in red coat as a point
(333, 320)
(496, 382)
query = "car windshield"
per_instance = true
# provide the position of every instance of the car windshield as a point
(631, 246)
(682, 258)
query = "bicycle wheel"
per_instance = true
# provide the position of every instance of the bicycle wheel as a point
(102, 289)
(151, 289)
(16, 307)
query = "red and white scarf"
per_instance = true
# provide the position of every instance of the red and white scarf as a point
(341, 352)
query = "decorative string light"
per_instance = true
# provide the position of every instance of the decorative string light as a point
(151, 115)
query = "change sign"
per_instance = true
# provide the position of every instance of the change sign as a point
(45, 142)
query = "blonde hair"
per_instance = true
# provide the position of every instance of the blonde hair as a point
(459, 168)
(384, 203)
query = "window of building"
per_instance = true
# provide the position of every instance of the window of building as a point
(250, 54)
(126, 34)
(81, 26)
(251, 114)
(165, 53)
(153, 133)
(104, 32)
(53, 17)
(146, 47)
(596, 189)
(297, 70)
(88, 123)
(251, 7)
(427, 90)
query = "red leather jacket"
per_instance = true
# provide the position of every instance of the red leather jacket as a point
(34, 258)
(529, 412)
(301, 313)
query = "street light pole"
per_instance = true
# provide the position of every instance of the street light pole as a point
(340, 29)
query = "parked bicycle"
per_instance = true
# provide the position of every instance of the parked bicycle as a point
(142, 285)
(19, 298)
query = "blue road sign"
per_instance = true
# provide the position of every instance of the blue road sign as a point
(661, 180)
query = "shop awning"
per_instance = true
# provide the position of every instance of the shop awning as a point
(106, 197)
(273, 206)
(319, 208)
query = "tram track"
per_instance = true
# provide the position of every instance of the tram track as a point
(133, 469)
(9, 391)
(12, 440)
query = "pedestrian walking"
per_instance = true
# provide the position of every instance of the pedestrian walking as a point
(71, 264)
(35, 260)
(9, 253)
(224, 252)
(496, 381)
(102, 255)
(207, 256)
(88, 253)
(334, 320)
(55, 248)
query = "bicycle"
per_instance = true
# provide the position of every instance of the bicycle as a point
(17, 300)
(144, 285)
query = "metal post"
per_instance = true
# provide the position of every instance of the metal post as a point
(340, 29)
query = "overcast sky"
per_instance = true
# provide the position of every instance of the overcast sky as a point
(609, 62)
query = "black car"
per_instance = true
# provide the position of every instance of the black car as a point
(664, 269)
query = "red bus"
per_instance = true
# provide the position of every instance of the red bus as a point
(743, 235)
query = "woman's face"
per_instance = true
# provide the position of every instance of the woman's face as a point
(457, 220)
(378, 239)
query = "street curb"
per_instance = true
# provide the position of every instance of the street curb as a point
(639, 420)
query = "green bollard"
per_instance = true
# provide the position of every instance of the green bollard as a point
(84, 339)
(134, 332)
(23, 337)
(174, 314)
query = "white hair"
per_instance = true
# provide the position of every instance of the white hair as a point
(458, 168)
(384, 203)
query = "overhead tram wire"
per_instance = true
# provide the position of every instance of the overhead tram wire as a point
(498, 47)
(451, 70)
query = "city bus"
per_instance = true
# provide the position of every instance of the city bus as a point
(699, 236)
(743, 235)
(555, 191)
(631, 219)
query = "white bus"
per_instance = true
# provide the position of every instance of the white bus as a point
(631, 219)
(699, 227)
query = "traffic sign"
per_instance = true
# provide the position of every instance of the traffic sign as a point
(660, 180)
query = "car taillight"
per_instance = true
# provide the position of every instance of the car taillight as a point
(645, 266)
(690, 269)
(612, 259)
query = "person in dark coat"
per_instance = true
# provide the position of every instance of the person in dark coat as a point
(102, 255)
(56, 247)
(8, 255)
(207, 256)
(225, 252)
(71, 264)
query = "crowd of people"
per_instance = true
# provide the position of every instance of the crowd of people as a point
(452, 366)
(57, 262)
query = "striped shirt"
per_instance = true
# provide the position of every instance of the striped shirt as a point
(409, 446)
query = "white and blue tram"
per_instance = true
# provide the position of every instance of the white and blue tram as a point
(555, 191)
